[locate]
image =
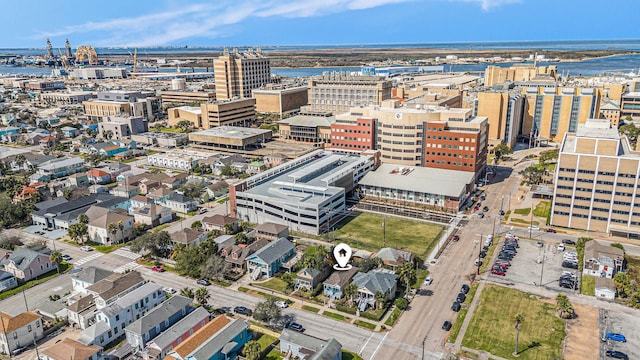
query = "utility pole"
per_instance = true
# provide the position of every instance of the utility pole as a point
(542, 268)
(479, 250)
(531, 221)
(384, 230)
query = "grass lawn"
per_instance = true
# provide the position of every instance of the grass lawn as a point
(521, 221)
(421, 274)
(633, 267)
(543, 209)
(310, 308)
(524, 211)
(364, 324)
(264, 340)
(393, 317)
(348, 355)
(588, 285)
(161, 227)
(105, 248)
(275, 355)
(492, 327)
(275, 284)
(364, 231)
(334, 315)
(506, 215)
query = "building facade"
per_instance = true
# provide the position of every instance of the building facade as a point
(188, 98)
(120, 127)
(233, 112)
(526, 72)
(504, 112)
(122, 103)
(354, 134)
(238, 73)
(278, 99)
(338, 92)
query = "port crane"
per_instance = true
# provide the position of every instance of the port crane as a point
(65, 63)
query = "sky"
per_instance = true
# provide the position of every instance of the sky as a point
(132, 23)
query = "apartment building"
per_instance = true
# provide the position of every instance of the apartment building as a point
(338, 92)
(630, 105)
(519, 72)
(238, 73)
(504, 112)
(121, 127)
(312, 128)
(596, 182)
(553, 111)
(70, 98)
(233, 112)
(122, 103)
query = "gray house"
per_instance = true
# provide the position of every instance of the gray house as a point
(159, 347)
(373, 282)
(7, 281)
(26, 264)
(157, 320)
(306, 347)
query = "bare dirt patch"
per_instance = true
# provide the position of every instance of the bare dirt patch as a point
(582, 340)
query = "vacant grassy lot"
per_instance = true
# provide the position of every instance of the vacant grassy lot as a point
(633, 266)
(364, 231)
(276, 284)
(492, 325)
(524, 211)
(588, 285)
(543, 209)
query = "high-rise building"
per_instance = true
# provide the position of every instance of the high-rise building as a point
(596, 181)
(238, 73)
(338, 92)
(504, 111)
(523, 72)
(553, 111)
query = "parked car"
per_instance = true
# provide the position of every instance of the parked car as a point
(498, 272)
(560, 247)
(461, 298)
(617, 354)
(483, 254)
(501, 213)
(157, 268)
(203, 282)
(86, 248)
(456, 238)
(242, 310)
(66, 257)
(282, 304)
(533, 228)
(295, 327)
(480, 215)
(446, 326)
(570, 264)
(456, 306)
(615, 337)
(476, 208)
(428, 280)
(568, 242)
(478, 262)
(501, 266)
(550, 230)
(202, 210)
(485, 209)
(539, 243)
(465, 288)
(169, 290)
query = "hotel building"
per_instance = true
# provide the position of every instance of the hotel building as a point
(238, 73)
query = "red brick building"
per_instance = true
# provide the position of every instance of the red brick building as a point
(455, 145)
(354, 135)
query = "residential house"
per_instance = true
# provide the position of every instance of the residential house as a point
(188, 236)
(334, 285)
(158, 320)
(78, 179)
(255, 167)
(35, 136)
(26, 264)
(116, 168)
(100, 233)
(180, 203)
(158, 348)
(229, 160)
(26, 193)
(31, 161)
(393, 258)
(122, 312)
(20, 330)
(375, 281)
(61, 167)
(88, 276)
(125, 190)
(69, 131)
(306, 347)
(97, 176)
(601, 260)
(183, 350)
(152, 215)
(271, 231)
(112, 150)
(8, 281)
(108, 290)
(71, 349)
(139, 201)
(158, 194)
(309, 278)
(224, 240)
(605, 288)
(236, 255)
(47, 142)
(220, 223)
(60, 213)
(82, 311)
(217, 189)
(175, 181)
(223, 344)
(268, 260)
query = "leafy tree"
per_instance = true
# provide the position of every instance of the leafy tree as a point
(369, 264)
(228, 170)
(13, 213)
(187, 292)
(618, 245)
(155, 243)
(401, 303)
(228, 229)
(202, 296)
(407, 274)
(548, 155)
(214, 267)
(184, 125)
(209, 247)
(77, 232)
(189, 260)
(315, 258)
(631, 131)
(533, 174)
(380, 299)
(113, 230)
(252, 350)
(83, 219)
(121, 228)
(622, 281)
(500, 151)
(196, 225)
(95, 159)
(289, 279)
(9, 242)
(56, 258)
(192, 189)
(563, 307)
(519, 319)
(267, 310)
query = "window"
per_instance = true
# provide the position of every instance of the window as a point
(29, 328)
(117, 317)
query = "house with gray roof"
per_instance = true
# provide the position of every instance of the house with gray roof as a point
(268, 260)
(82, 311)
(158, 348)
(335, 283)
(236, 255)
(306, 347)
(393, 258)
(56, 168)
(157, 320)
(88, 276)
(309, 278)
(7, 281)
(271, 231)
(375, 281)
(26, 264)
(601, 260)
(179, 203)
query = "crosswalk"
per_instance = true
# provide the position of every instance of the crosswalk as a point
(126, 253)
(87, 259)
(128, 266)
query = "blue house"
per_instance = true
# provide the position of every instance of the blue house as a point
(7, 281)
(69, 131)
(268, 260)
(225, 344)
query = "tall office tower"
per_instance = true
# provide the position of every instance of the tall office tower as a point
(505, 111)
(237, 73)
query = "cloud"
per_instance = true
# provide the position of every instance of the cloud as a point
(199, 20)
(486, 5)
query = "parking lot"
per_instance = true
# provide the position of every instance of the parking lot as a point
(624, 324)
(49, 234)
(527, 265)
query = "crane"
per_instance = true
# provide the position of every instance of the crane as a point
(135, 63)
(65, 63)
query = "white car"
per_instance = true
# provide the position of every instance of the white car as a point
(534, 228)
(561, 247)
(282, 304)
(86, 248)
(169, 290)
(428, 280)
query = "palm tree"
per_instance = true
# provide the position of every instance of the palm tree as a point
(350, 291)
(187, 292)
(407, 274)
(519, 318)
(252, 350)
(380, 299)
(112, 229)
(121, 228)
(56, 258)
(202, 296)
(563, 307)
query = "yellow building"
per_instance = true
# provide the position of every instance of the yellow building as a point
(519, 72)
(279, 99)
(610, 110)
(238, 73)
(338, 92)
(550, 112)
(504, 112)
(186, 97)
(596, 181)
(234, 112)
(192, 114)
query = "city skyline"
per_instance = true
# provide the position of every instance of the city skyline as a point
(314, 22)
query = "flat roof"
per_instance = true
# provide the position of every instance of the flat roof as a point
(445, 182)
(309, 121)
(233, 132)
(191, 109)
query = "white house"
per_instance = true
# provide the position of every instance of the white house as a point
(20, 330)
(99, 228)
(601, 260)
(605, 288)
(88, 276)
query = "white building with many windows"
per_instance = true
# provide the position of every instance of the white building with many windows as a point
(19, 331)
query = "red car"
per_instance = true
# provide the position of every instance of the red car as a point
(498, 272)
(551, 230)
(158, 268)
(456, 237)
(500, 265)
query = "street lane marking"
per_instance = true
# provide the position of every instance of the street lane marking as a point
(365, 344)
(379, 346)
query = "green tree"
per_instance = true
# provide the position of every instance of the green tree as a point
(95, 159)
(380, 300)
(187, 292)
(189, 260)
(267, 310)
(83, 219)
(214, 268)
(350, 292)
(622, 281)
(228, 229)
(563, 307)
(56, 258)
(631, 132)
(401, 303)
(121, 228)
(547, 156)
(154, 243)
(369, 264)
(228, 170)
(196, 225)
(315, 257)
(192, 189)
(519, 319)
(252, 350)
(113, 230)
(407, 274)
(500, 151)
(184, 125)
(618, 245)
(533, 174)
(202, 296)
